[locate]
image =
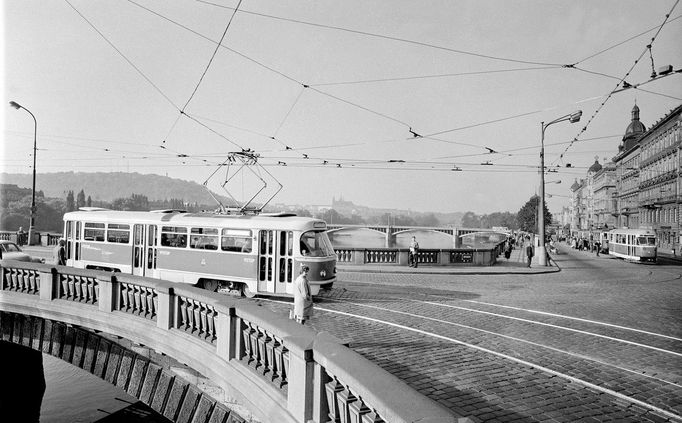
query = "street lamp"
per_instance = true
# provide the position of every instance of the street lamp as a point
(31, 227)
(542, 252)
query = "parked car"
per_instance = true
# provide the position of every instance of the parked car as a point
(11, 251)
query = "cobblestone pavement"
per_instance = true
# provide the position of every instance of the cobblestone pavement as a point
(599, 341)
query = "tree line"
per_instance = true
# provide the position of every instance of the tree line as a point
(15, 212)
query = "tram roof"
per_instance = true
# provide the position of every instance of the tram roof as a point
(628, 231)
(282, 220)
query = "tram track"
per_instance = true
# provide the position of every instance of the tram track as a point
(622, 383)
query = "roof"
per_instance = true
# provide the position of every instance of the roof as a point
(596, 167)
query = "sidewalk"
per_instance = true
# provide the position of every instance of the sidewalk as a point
(515, 265)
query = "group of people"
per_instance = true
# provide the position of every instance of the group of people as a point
(584, 244)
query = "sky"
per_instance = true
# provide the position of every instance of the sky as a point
(427, 106)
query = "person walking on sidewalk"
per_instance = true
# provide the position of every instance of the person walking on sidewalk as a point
(529, 250)
(414, 249)
(303, 299)
(597, 246)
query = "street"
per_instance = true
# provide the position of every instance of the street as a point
(600, 340)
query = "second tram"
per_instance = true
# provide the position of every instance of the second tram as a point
(633, 244)
(243, 254)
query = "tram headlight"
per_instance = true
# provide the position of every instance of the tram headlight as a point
(323, 273)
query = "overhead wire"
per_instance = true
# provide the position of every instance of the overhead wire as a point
(388, 37)
(608, 96)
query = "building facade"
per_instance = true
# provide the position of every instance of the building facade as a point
(642, 185)
(659, 179)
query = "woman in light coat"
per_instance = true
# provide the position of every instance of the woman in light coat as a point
(303, 299)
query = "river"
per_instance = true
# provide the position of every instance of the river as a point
(74, 395)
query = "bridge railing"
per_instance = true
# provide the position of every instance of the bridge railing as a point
(279, 369)
(433, 257)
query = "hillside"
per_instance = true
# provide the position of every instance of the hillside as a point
(109, 186)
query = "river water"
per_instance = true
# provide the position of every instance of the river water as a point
(76, 396)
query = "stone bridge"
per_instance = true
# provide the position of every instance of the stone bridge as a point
(280, 371)
(393, 231)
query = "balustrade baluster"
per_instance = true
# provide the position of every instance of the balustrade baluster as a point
(143, 301)
(210, 334)
(131, 297)
(279, 372)
(32, 282)
(285, 365)
(91, 290)
(196, 317)
(203, 331)
(332, 388)
(136, 296)
(183, 313)
(357, 410)
(270, 352)
(14, 281)
(344, 399)
(254, 347)
(246, 331)
(263, 340)
(124, 297)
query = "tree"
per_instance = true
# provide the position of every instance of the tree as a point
(89, 202)
(527, 216)
(70, 204)
(80, 200)
(471, 220)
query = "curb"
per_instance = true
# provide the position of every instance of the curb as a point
(550, 269)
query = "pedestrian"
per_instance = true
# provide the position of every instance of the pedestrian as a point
(597, 244)
(20, 236)
(508, 248)
(412, 258)
(529, 251)
(59, 254)
(303, 299)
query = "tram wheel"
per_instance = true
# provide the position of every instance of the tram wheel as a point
(247, 292)
(210, 285)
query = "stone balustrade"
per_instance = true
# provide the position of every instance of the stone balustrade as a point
(431, 257)
(278, 369)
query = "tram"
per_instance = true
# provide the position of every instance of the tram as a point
(633, 244)
(237, 253)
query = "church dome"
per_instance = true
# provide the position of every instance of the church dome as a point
(634, 130)
(596, 167)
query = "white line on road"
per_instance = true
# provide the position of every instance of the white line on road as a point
(576, 318)
(517, 360)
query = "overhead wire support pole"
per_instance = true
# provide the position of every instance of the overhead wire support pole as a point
(542, 251)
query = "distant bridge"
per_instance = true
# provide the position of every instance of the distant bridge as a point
(279, 370)
(392, 231)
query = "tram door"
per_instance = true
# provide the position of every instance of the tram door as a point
(73, 238)
(275, 261)
(138, 250)
(151, 251)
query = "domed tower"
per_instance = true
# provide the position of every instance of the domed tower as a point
(633, 132)
(596, 167)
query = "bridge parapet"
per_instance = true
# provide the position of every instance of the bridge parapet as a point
(278, 369)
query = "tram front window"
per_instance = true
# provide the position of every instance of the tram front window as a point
(646, 240)
(316, 244)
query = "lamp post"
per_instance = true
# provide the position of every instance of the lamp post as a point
(542, 252)
(31, 227)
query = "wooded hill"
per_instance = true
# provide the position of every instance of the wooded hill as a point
(109, 186)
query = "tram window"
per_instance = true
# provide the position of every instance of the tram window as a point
(316, 244)
(643, 240)
(204, 238)
(119, 234)
(236, 240)
(93, 232)
(173, 236)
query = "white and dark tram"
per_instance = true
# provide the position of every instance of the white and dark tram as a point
(240, 253)
(633, 244)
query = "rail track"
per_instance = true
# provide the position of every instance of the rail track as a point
(504, 363)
